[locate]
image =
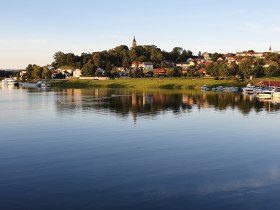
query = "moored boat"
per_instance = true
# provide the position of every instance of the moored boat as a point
(231, 89)
(220, 88)
(205, 88)
(10, 82)
(276, 93)
(266, 94)
(43, 84)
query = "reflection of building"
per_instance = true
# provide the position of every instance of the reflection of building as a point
(71, 98)
(199, 100)
(126, 104)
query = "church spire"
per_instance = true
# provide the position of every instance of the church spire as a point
(134, 43)
(270, 49)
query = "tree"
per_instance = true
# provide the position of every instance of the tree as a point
(88, 69)
(216, 56)
(233, 70)
(246, 68)
(223, 70)
(175, 53)
(258, 71)
(97, 60)
(108, 69)
(272, 70)
(46, 74)
(138, 73)
(60, 59)
(213, 69)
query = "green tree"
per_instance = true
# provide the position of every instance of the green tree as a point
(97, 60)
(246, 68)
(108, 69)
(216, 56)
(88, 69)
(46, 74)
(272, 70)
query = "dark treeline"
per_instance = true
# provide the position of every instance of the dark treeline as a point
(111, 62)
(121, 56)
(217, 65)
(245, 67)
(5, 74)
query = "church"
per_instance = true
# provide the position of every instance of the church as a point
(134, 43)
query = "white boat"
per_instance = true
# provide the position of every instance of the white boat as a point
(43, 84)
(276, 93)
(220, 88)
(231, 89)
(205, 88)
(249, 89)
(10, 82)
(266, 94)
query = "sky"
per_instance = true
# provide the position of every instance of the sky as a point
(31, 31)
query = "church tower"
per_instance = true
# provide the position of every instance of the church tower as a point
(270, 49)
(134, 43)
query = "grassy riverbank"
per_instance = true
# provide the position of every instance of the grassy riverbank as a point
(147, 83)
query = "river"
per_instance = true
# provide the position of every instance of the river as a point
(123, 149)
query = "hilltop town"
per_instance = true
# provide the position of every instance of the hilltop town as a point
(140, 61)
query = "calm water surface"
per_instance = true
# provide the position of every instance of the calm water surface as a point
(117, 149)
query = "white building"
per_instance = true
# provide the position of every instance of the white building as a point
(77, 73)
(147, 65)
(144, 65)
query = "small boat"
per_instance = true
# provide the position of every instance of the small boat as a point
(231, 89)
(205, 88)
(220, 88)
(10, 82)
(249, 89)
(276, 93)
(266, 94)
(43, 84)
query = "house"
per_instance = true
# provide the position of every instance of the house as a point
(250, 54)
(160, 71)
(120, 69)
(135, 64)
(64, 70)
(77, 73)
(206, 56)
(186, 65)
(169, 63)
(220, 59)
(183, 65)
(144, 65)
(203, 72)
(147, 65)
(100, 71)
(271, 83)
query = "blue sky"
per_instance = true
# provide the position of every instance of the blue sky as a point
(33, 30)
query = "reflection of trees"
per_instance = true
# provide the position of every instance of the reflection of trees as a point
(124, 102)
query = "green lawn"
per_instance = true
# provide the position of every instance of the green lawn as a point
(147, 83)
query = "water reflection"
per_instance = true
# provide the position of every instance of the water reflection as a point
(137, 103)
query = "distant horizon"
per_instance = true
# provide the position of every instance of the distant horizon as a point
(34, 32)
